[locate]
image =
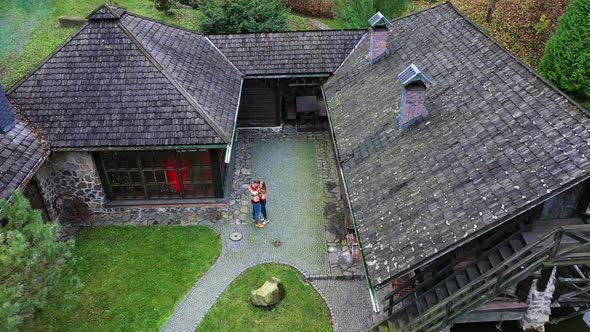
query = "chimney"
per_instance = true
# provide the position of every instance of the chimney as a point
(379, 28)
(7, 120)
(413, 107)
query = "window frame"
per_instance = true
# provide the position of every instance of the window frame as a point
(215, 170)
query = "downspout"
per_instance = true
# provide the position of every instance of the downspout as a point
(372, 294)
(234, 133)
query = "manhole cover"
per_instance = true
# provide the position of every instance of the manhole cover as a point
(277, 243)
(235, 236)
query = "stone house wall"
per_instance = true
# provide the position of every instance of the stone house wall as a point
(75, 173)
(47, 188)
(70, 173)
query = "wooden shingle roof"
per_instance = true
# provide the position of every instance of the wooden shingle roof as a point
(104, 87)
(194, 62)
(22, 151)
(498, 140)
(288, 53)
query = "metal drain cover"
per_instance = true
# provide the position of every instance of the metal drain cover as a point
(235, 236)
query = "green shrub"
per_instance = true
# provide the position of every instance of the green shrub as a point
(356, 13)
(542, 26)
(225, 16)
(164, 5)
(32, 261)
(391, 8)
(566, 61)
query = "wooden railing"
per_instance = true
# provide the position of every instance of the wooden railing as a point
(394, 297)
(544, 252)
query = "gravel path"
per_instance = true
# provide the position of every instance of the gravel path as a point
(349, 303)
(294, 237)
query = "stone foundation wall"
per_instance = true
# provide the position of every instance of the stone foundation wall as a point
(163, 215)
(70, 173)
(48, 191)
(75, 173)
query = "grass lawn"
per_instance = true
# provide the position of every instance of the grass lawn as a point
(302, 309)
(297, 22)
(133, 278)
(334, 23)
(30, 30)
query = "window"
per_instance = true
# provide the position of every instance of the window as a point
(162, 174)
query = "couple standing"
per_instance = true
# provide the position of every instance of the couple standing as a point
(258, 198)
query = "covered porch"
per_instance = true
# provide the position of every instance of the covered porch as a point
(283, 100)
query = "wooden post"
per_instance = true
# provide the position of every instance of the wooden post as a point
(217, 177)
(557, 242)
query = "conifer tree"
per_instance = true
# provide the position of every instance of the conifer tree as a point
(33, 263)
(566, 61)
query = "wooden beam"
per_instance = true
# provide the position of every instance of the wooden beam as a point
(479, 317)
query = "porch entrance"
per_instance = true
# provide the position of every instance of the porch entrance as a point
(283, 101)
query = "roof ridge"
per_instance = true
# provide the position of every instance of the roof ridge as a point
(108, 8)
(518, 60)
(225, 57)
(358, 42)
(189, 98)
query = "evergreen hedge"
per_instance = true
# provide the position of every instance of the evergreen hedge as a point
(228, 16)
(566, 61)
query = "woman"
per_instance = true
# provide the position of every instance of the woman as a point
(255, 199)
(262, 193)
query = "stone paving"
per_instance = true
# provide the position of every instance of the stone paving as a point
(349, 311)
(340, 258)
(289, 163)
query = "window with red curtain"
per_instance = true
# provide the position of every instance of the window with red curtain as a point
(161, 174)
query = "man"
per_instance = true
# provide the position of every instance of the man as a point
(255, 199)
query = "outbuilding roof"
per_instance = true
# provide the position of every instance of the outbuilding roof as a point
(498, 140)
(288, 53)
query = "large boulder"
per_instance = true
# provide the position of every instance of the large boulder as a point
(270, 293)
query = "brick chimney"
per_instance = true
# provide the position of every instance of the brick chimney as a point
(379, 30)
(7, 119)
(413, 107)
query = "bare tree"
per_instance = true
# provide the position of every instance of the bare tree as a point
(490, 10)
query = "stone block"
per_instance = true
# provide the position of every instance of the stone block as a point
(270, 293)
(345, 259)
